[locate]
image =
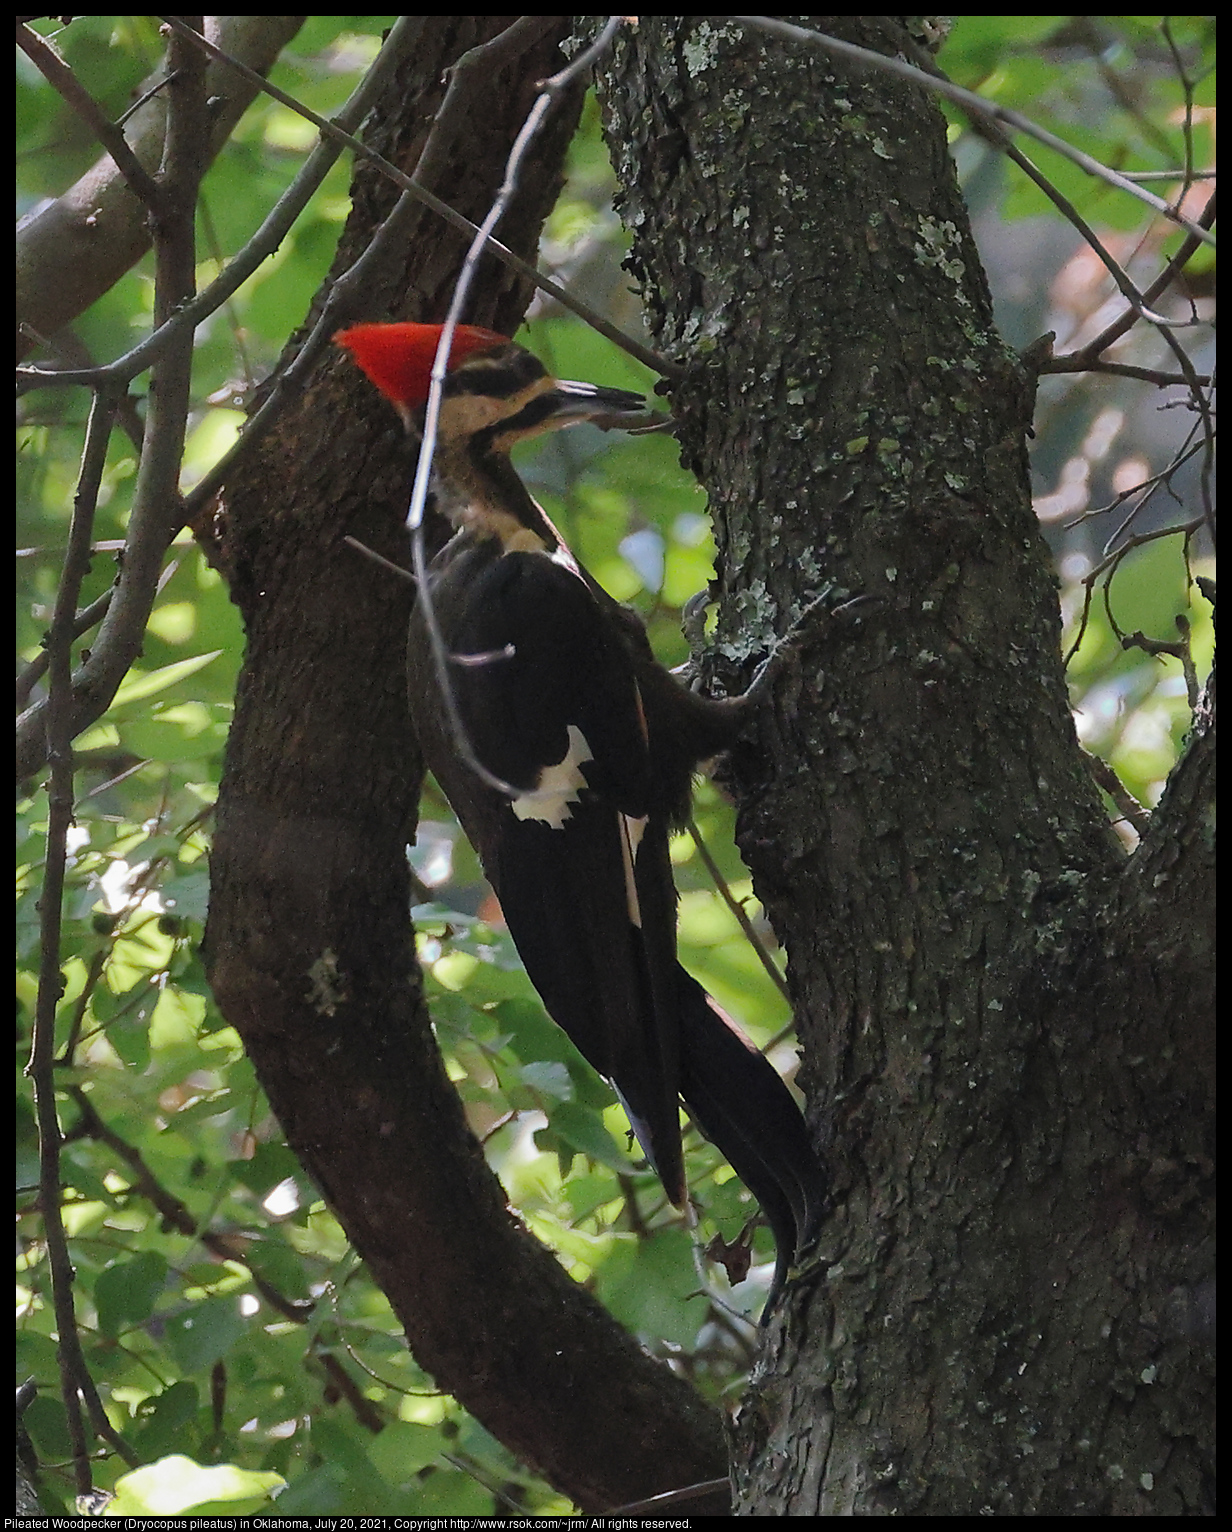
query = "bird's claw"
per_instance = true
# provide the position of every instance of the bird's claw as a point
(784, 649)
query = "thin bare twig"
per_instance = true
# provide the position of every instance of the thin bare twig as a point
(224, 1246)
(672, 1498)
(379, 558)
(1109, 564)
(58, 74)
(407, 183)
(1146, 488)
(1107, 780)
(49, 728)
(752, 935)
(355, 280)
(1162, 480)
(1126, 370)
(349, 292)
(987, 110)
(1169, 175)
(86, 619)
(274, 227)
(347, 289)
(1177, 649)
(1066, 208)
(156, 502)
(553, 88)
(146, 95)
(1112, 332)
(1001, 118)
(180, 322)
(477, 63)
(74, 249)
(1187, 87)
(74, 1377)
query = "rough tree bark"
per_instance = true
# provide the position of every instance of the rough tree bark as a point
(309, 940)
(1005, 1022)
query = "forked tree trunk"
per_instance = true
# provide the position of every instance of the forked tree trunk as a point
(310, 945)
(1005, 1022)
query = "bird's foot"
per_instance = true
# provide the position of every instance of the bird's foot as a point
(784, 650)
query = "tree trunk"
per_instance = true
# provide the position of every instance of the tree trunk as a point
(309, 938)
(1005, 1022)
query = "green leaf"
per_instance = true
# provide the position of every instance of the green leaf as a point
(126, 1018)
(175, 1485)
(403, 1448)
(648, 1284)
(165, 1417)
(136, 686)
(125, 1292)
(344, 1449)
(549, 1078)
(203, 1334)
(535, 1036)
(282, 1267)
(584, 1130)
(270, 1163)
(47, 1424)
(319, 1492)
(186, 731)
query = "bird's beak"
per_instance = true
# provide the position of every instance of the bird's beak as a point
(611, 409)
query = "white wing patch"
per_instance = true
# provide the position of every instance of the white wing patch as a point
(631, 831)
(558, 786)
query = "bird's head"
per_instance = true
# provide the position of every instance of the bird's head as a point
(496, 393)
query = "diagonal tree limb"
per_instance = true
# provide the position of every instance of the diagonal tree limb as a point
(156, 495)
(70, 253)
(264, 242)
(58, 74)
(308, 946)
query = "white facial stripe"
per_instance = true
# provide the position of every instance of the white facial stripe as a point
(464, 414)
(631, 831)
(558, 786)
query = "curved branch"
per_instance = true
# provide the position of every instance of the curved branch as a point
(309, 948)
(264, 242)
(153, 519)
(75, 1381)
(227, 1247)
(1078, 360)
(72, 252)
(58, 74)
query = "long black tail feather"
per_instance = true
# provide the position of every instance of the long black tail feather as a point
(740, 1103)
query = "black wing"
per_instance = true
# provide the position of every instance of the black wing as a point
(583, 872)
(547, 693)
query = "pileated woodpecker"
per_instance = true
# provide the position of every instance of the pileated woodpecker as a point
(560, 699)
